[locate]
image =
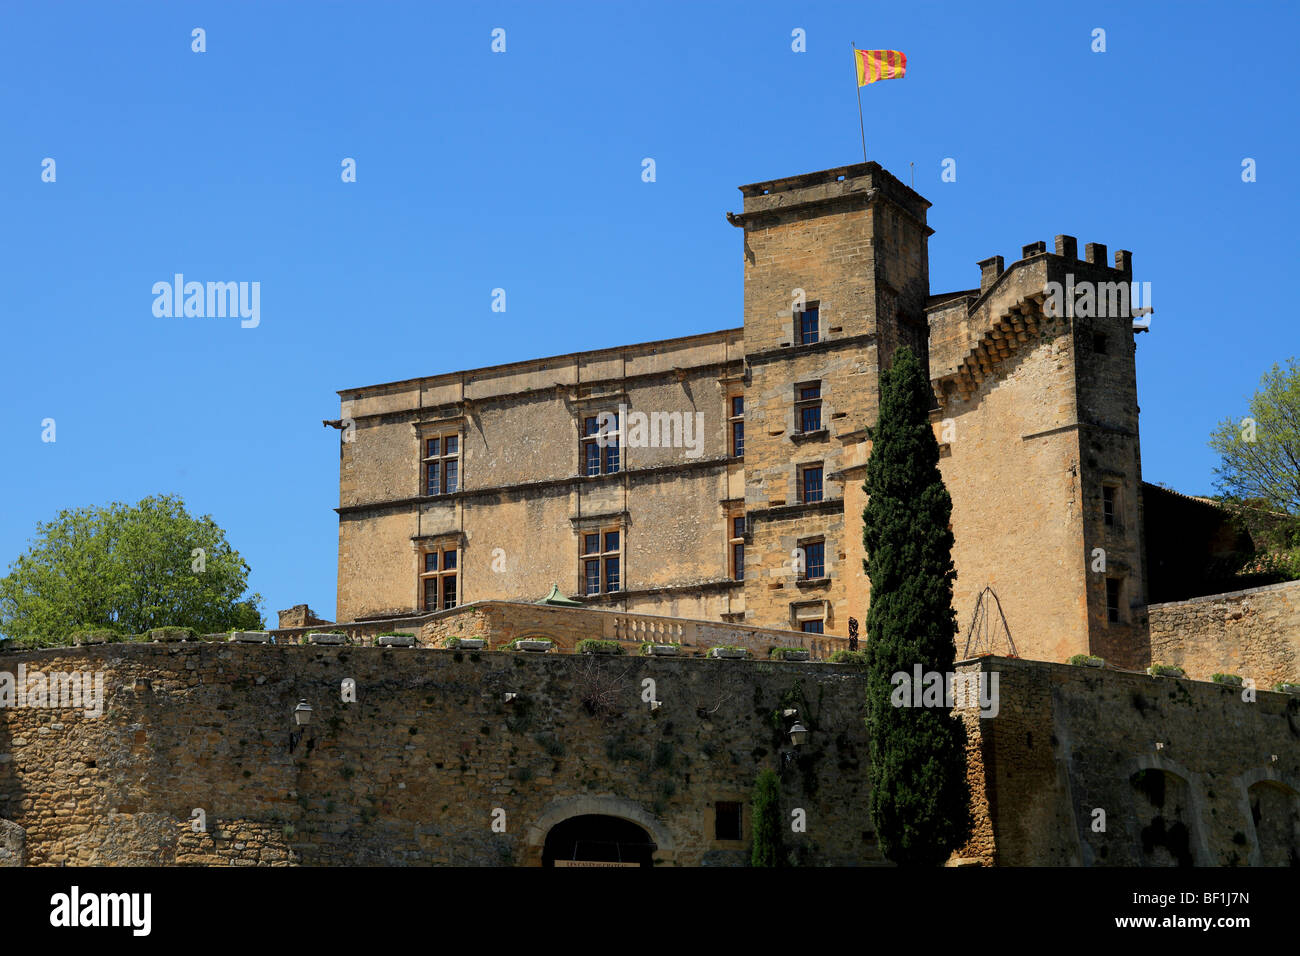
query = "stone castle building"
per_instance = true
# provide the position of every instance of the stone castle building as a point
(719, 476)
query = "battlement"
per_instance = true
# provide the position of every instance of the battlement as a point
(828, 190)
(1066, 247)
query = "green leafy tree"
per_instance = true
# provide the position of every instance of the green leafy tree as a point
(127, 568)
(1259, 468)
(765, 812)
(919, 792)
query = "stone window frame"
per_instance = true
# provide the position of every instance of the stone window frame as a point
(799, 488)
(814, 610)
(735, 540)
(602, 556)
(797, 323)
(803, 403)
(442, 546)
(1114, 522)
(1118, 606)
(709, 815)
(803, 574)
(607, 442)
(734, 421)
(442, 431)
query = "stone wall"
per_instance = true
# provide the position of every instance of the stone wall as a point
(430, 753)
(1253, 633)
(413, 771)
(1183, 771)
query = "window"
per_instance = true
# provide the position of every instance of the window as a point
(812, 627)
(737, 421)
(808, 407)
(737, 542)
(1099, 343)
(810, 483)
(1112, 600)
(726, 820)
(441, 464)
(438, 572)
(807, 325)
(1108, 505)
(600, 439)
(814, 559)
(600, 562)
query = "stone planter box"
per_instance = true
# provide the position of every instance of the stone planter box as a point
(90, 639)
(1291, 688)
(470, 644)
(1167, 672)
(534, 646)
(727, 653)
(664, 650)
(251, 637)
(1229, 680)
(794, 656)
(327, 638)
(396, 640)
(600, 650)
(1093, 662)
(223, 636)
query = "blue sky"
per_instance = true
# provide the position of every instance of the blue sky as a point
(522, 170)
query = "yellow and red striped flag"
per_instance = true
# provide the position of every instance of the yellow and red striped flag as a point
(879, 65)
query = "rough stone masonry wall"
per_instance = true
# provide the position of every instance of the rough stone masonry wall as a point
(1253, 633)
(412, 771)
(1068, 741)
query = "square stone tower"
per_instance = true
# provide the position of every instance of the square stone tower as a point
(836, 279)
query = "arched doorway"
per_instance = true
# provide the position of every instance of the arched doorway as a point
(594, 839)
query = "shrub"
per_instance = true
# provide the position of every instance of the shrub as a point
(593, 646)
(1233, 679)
(1083, 660)
(171, 633)
(645, 647)
(780, 653)
(766, 815)
(856, 658)
(1165, 670)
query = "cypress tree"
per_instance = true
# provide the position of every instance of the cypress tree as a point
(765, 812)
(919, 792)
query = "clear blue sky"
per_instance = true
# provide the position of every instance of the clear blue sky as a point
(522, 171)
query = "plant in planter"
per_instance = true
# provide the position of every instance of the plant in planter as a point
(251, 637)
(327, 637)
(395, 639)
(590, 645)
(96, 635)
(536, 645)
(465, 643)
(1287, 687)
(171, 634)
(1165, 670)
(1087, 660)
(1232, 680)
(789, 654)
(856, 658)
(729, 652)
(653, 649)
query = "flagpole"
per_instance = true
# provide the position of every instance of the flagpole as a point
(858, 86)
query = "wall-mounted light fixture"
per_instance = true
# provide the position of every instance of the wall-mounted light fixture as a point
(301, 718)
(798, 734)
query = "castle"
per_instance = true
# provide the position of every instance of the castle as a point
(703, 496)
(731, 488)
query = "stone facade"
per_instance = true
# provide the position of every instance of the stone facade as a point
(1037, 414)
(1253, 633)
